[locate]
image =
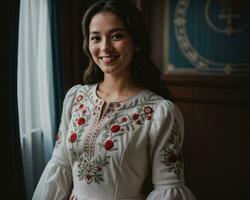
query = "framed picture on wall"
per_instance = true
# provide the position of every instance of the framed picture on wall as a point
(206, 36)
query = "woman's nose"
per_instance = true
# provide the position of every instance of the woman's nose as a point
(106, 45)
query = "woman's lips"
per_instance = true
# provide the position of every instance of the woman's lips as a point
(108, 59)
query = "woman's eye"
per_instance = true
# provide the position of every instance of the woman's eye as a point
(117, 36)
(95, 38)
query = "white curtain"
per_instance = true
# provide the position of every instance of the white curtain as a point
(35, 89)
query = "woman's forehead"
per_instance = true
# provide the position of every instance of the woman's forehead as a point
(105, 20)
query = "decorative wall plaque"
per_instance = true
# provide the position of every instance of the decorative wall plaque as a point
(207, 36)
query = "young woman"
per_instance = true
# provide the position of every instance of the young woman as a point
(119, 129)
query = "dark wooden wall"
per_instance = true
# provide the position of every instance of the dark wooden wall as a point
(216, 110)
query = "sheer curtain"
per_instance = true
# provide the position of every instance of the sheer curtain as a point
(35, 89)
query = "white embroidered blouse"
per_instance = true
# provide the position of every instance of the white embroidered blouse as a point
(108, 156)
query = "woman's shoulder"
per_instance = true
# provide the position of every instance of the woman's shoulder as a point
(79, 87)
(74, 90)
(164, 107)
(159, 100)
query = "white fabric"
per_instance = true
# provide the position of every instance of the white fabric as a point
(110, 155)
(175, 193)
(35, 86)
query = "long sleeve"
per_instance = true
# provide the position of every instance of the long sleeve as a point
(166, 140)
(56, 180)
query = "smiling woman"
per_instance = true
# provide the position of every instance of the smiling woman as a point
(110, 45)
(120, 126)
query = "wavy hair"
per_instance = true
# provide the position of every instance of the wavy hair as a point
(144, 71)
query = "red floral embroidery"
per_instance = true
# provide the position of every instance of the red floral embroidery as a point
(135, 116)
(172, 158)
(79, 98)
(115, 128)
(90, 166)
(99, 168)
(89, 177)
(172, 152)
(73, 137)
(124, 119)
(148, 110)
(144, 113)
(81, 121)
(90, 169)
(108, 145)
(138, 122)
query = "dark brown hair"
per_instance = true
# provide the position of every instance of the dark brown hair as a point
(144, 71)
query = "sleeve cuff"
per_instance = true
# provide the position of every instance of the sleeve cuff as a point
(172, 192)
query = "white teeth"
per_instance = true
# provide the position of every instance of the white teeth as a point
(108, 59)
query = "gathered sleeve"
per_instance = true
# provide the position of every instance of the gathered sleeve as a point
(56, 179)
(165, 146)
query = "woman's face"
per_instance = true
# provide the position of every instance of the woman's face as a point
(110, 45)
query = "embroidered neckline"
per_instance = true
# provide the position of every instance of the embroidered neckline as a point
(131, 98)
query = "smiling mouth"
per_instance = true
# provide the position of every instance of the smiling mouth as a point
(108, 59)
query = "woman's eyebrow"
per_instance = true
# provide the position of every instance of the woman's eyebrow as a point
(94, 32)
(112, 31)
(117, 29)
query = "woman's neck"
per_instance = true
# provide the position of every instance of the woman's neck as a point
(117, 88)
